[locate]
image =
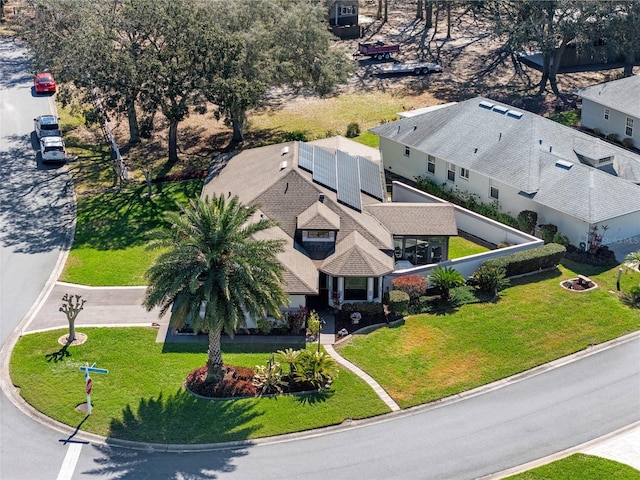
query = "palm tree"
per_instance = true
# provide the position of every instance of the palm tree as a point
(214, 272)
(446, 279)
(633, 258)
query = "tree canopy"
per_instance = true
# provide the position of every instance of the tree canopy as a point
(174, 56)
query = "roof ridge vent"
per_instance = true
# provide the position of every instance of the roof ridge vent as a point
(564, 164)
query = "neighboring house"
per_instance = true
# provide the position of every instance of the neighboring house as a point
(522, 161)
(343, 18)
(341, 234)
(613, 108)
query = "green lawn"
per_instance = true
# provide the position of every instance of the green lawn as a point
(580, 467)
(535, 321)
(109, 247)
(461, 247)
(142, 397)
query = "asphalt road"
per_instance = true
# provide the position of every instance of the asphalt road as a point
(521, 421)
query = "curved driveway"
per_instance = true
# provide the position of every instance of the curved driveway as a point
(524, 419)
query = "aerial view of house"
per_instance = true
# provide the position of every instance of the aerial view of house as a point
(329, 200)
(522, 161)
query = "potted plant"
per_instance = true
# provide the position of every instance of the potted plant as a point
(356, 317)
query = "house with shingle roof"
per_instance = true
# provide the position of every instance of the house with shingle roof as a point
(613, 108)
(520, 161)
(329, 201)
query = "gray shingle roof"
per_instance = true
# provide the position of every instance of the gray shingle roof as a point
(319, 217)
(515, 151)
(622, 95)
(415, 219)
(355, 257)
(270, 178)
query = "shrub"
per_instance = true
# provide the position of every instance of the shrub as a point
(462, 295)
(412, 285)
(313, 323)
(527, 221)
(268, 378)
(602, 257)
(295, 320)
(561, 239)
(317, 369)
(296, 135)
(445, 279)
(398, 301)
(547, 232)
(353, 130)
(613, 137)
(365, 308)
(528, 261)
(597, 132)
(627, 142)
(490, 278)
(632, 297)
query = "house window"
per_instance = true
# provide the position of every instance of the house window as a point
(407, 151)
(431, 164)
(451, 172)
(355, 288)
(318, 236)
(494, 192)
(419, 250)
(629, 128)
(464, 173)
(606, 114)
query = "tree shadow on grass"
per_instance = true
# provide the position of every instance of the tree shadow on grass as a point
(182, 418)
(116, 220)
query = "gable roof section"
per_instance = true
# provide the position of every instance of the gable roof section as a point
(300, 274)
(514, 151)
(618, 95)
(356, 257)
(416, 218)
(319, 217)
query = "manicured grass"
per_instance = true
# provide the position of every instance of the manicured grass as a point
(535, 321)
(580, 467)
(461, 247)
(109, 247)
(143, 399)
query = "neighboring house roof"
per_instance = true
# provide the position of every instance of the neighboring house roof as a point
(415, 219)
(516, 147)
(618, 95)
(356, 257)
(286, 193)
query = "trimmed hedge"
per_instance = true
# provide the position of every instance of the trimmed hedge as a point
(398, 301)
(519, 263)
(365, 308)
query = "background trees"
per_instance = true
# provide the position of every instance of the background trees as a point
(173, 56)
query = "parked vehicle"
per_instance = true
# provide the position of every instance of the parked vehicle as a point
(377, 50)
(44, 83)
(417, 68)
(52, 149)
(46, 126)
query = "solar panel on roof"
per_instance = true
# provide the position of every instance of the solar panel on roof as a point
(305, 157)
(371, 178)
(324, 168)
(348, 181)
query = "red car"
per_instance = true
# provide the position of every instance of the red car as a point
(44, 83)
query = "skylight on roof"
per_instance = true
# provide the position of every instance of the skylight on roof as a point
(485, 104)
(564, 164)
(514, 114)
(500, 109)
